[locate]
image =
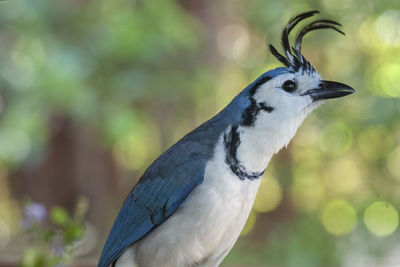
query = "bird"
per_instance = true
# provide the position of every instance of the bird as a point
(192, 202)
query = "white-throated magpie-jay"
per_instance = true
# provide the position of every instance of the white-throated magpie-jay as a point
(191, 204)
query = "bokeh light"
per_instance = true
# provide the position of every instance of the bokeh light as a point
(381, 218)
(339, 217)
(393, 163)
(132, 152)
(387, 27)
(336, 139)
(368, 40)
(234, 42)
(343, 176)
(269, 195)
(386, 80)
(251, 221)
(307, 191)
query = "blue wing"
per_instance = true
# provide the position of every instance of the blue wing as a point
(158, 194)
(169, 181)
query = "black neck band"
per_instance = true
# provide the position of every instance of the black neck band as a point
(231, 143)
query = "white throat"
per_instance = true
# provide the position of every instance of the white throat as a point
(269, 134)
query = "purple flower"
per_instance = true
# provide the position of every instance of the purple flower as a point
(33, 213)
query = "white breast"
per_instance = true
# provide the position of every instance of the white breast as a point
(206, 227)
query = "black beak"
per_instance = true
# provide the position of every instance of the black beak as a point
(328, 89)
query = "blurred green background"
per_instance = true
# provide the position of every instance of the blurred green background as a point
(91, 92)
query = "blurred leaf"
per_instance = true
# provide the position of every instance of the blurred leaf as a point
(73, 232)
(59, 216)
(34, 258)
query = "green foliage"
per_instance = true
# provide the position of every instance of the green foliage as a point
(59, 216)
(54, 242)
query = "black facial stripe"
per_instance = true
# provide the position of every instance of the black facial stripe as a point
(251, 112)
(231, 143)
(258, 83)
(264, 106)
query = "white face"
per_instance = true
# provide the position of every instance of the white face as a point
(277, 128)
(289, 104)
(281, 105)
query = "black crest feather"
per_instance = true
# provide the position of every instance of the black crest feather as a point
(293, 56)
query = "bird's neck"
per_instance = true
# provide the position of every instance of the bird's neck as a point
(249, 149)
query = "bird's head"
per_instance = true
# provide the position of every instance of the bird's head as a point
(292, 92)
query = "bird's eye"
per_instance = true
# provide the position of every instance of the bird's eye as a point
(289, 86)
